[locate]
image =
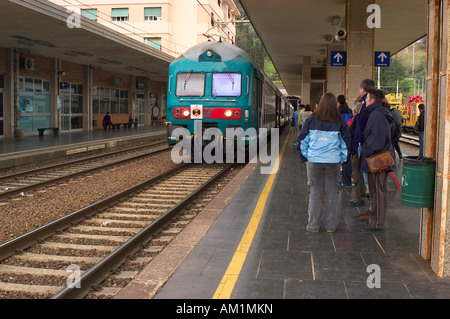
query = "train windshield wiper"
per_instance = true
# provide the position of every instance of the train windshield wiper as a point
(231, 79)
(187, 78)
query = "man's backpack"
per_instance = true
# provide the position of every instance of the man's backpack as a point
(396, 130)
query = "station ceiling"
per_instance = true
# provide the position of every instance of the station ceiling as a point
(292, 29)
(40, 27)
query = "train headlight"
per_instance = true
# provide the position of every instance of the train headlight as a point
(186, 113)
(228, 113)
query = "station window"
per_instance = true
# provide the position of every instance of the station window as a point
(110, 100)
(153, 42)
(190, 84)
(89, 13)
(226, 84)
(152, 14)
(34, 99)
(119, 14)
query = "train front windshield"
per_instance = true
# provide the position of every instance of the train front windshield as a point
(223, 84)
(190, 84)
(226, 84)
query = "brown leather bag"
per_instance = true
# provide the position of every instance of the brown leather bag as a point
(380, 162)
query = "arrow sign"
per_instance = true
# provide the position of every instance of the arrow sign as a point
(382, 58)
(338, 58)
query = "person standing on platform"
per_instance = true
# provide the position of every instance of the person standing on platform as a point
(377, 138)
(399, 121)
(365, 86)
(304, 115)
(107, 121)
(323, 143)
(421, 127)
(347, 115)
(359, 189)
(295, 119)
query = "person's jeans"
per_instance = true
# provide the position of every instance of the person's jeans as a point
(421, 143)
(323, 186)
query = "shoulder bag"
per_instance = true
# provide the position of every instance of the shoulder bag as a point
(380, 162)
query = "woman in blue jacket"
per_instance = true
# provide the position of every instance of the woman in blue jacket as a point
(323, 143)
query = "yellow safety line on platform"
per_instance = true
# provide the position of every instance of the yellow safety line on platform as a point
(69, 145)
(234, 268)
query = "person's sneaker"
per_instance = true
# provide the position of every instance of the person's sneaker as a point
(312, 230)
(330, 230)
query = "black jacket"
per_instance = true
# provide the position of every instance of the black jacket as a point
(421, 121)
(377, 134)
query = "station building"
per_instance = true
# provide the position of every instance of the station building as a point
(68, 66)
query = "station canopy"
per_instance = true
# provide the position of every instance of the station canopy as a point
(41, 27)
(292, 29)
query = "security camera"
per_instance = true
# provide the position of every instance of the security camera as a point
(340, 34)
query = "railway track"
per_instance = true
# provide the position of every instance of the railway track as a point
(21, 182)
(410, 139)
(71, 256)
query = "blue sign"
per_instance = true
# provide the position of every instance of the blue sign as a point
(382, 58)
(63, 85)
(338, 58)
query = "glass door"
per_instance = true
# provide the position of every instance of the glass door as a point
(72, 107)
(1, 113)
(2, 81)
(140, 112)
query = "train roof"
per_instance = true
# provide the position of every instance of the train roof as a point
(225, 50)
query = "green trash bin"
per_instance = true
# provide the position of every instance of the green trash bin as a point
(418, 181)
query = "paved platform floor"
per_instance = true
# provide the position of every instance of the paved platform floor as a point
(17, 151)
(285, 261)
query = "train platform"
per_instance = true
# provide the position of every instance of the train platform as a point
(31, 149)
(251, 242)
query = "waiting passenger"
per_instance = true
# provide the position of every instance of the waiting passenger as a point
(377, 138)
(365, 86)
(304, 115)
(359, 189)
(295, 120)
(421, 127)
(107, 121)
(399, 121)
(347, 115)
(344, 109)
(323, 143)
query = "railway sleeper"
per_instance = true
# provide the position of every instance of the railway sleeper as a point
(111, 223)
(9, 291)
(80, 238)
(122, 216)
(101, 230)
(147, 204)
(72, 249)
(51, 261)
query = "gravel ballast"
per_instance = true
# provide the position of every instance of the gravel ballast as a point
(26, 212)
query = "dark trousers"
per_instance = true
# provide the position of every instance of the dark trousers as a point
(347, 173)
(359, 190)
(397, 148)
(378, 199)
